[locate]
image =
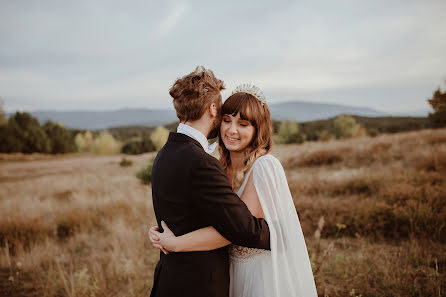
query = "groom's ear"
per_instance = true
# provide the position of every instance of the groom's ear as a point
(213, 109)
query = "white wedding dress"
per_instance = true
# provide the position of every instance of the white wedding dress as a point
(285, 271)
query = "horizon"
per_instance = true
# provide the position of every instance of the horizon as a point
(143, 108)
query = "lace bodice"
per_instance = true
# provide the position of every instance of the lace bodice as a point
(243, 254)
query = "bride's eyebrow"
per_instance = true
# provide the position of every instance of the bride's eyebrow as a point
(243, 119)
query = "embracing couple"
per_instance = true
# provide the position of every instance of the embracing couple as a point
(226, 227)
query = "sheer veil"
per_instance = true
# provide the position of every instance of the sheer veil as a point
(291, 267)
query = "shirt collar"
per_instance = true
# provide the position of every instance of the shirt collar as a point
(198, 136)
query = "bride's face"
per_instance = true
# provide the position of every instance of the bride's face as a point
(236, 132)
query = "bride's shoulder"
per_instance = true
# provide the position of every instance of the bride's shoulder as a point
(267, 160)
(267, 167)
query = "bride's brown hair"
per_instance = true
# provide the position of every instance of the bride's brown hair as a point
(257, 113)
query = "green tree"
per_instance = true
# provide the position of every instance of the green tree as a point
(61, 140)
(438, 103)
(2, 113)
(345, 126)
(24, 134)
(5, 139)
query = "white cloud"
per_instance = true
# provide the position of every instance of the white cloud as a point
(172, 19)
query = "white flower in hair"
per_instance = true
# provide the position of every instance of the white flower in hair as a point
(250, 89)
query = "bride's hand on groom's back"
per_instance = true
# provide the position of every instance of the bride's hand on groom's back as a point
(155, 240)
(165, 241)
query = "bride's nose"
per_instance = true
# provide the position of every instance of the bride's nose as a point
(232, 129)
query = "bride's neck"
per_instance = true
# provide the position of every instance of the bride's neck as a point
(236, 160)
(236, 164)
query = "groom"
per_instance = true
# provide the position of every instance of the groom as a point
(191, 191)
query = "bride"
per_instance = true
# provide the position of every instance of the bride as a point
(245, 139)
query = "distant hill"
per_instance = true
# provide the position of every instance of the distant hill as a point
(415, 113)
(97, 120)
(301, 111)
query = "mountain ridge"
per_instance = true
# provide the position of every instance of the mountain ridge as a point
(300, 111)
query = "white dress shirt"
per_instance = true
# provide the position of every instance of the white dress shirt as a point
(198, 136)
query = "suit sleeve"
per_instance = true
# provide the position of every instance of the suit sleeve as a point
(221, 208)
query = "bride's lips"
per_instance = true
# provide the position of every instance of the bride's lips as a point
(231, 139)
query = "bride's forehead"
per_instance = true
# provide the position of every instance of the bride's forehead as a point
(237, 116)
(234, 115)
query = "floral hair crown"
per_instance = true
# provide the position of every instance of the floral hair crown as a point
(251, 89)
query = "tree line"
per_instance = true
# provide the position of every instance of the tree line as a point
(23, 133)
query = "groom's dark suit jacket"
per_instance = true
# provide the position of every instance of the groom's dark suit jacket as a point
(190, 191)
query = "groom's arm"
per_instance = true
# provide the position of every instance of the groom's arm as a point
(221, 208)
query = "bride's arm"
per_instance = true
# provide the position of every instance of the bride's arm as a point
(251, 199)
(204, 239)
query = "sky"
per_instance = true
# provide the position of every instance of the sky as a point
(108, 54)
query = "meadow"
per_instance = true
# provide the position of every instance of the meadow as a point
(373, 212)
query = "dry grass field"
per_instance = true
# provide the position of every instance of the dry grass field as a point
(373, 212)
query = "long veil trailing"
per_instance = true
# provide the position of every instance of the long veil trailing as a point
(292, 274)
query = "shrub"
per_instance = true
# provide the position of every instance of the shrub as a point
(132, 147)
(159, 137)
(138, 146)
(105, 143)
(289, 133)
(147, 145)
(324, 135)
(83, 141)
(125, 163)
(373, 132)
(145, 174)
(346, 127)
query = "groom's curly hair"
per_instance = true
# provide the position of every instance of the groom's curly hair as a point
(193, 93)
